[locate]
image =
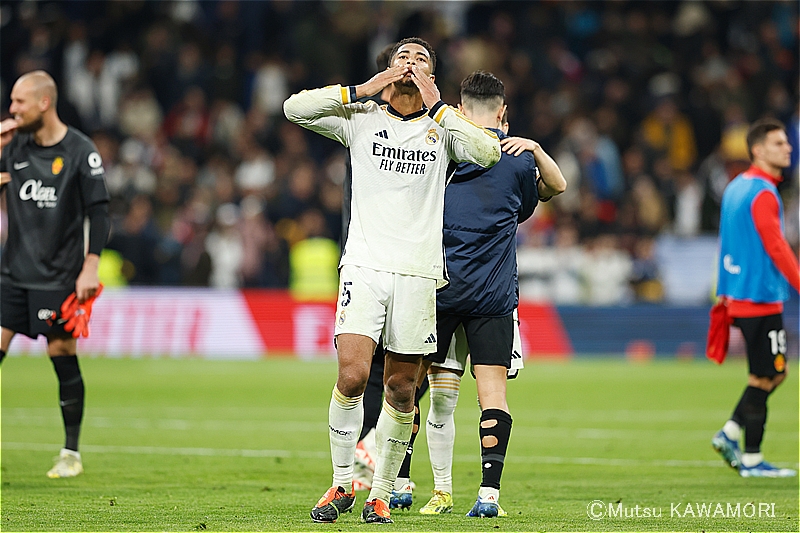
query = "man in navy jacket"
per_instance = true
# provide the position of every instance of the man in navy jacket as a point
(483, 208)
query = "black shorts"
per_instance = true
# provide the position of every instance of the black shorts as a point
(30, 312)
(766, 344)
(490, 339)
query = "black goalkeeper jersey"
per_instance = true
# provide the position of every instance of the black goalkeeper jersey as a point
(50, 190)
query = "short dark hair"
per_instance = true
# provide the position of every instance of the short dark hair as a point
(422, 43)
(483, 88)
(759, 130)
(382, 60)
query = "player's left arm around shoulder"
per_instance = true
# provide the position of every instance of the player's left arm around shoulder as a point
(552, 181)
(475, 144)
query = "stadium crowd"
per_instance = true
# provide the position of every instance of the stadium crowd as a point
(644, 105)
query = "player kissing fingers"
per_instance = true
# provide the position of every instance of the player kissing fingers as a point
(427, 89)
(381, 80)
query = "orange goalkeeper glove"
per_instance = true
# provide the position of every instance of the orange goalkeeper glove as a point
(77, 315)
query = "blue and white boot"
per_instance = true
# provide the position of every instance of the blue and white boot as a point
(727, 448)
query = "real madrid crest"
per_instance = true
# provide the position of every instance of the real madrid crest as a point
(57, 166)
(432, 137)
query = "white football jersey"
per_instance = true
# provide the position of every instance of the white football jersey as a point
(399, 167)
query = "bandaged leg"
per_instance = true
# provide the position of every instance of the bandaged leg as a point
(495, 431)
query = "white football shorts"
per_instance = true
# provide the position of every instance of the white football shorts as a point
(401, 308)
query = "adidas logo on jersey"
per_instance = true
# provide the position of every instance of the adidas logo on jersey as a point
(431, 339)
(382, 134)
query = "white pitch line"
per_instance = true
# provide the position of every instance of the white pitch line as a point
(163, 450)
(229, 452)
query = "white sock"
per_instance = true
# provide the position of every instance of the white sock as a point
(732, 430)
(401, 482)
(73, 453)
(441, 427)
(752, 459)
(488, 493)
(369, 442)
(392, 433)
(345, 417)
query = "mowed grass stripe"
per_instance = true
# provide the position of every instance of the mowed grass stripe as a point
(191, 445)
(221, 452)
(520, 429)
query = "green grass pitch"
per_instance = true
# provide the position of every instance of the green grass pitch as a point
(192, 445)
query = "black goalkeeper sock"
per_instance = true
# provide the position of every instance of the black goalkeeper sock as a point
(754, 414)
(405, 468)
(2, 355)
(71, 394)
(495, 431)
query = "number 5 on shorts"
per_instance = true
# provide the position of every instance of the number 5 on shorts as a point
(346, 293)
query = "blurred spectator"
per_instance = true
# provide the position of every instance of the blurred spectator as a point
(256, 173)
(651, 212)
(606, 271)
(188, 123)
(93, 90)
(191, 71)
(225, 81)
(227, 120)
(554, 273)
(225, 249)
(645, 277)
(190, 229)
(297, 195)
(139, 113)
(598, 158)
(314, 260)
(713, 177)
(136, 240)
(667, 131)
(159, 62)
(256, 235)
(131, 177)
(688, 204)
(270, 85)
(330, 196)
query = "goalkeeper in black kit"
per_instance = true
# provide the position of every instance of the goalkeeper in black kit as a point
(53, 180)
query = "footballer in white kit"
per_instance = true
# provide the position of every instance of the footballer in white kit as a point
(393, 258)
(399, 173)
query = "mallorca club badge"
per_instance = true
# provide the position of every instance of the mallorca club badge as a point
(780, 363)
(57, 166)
